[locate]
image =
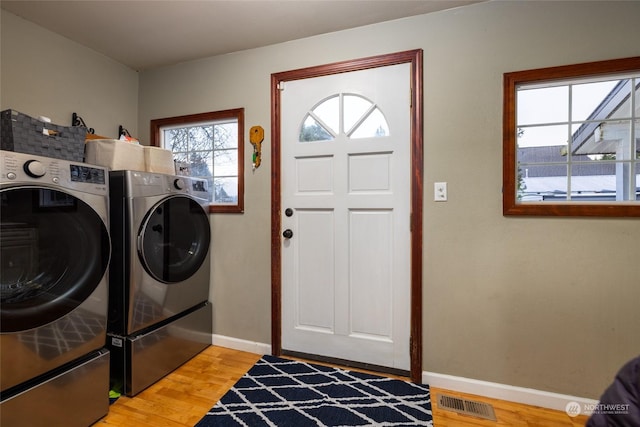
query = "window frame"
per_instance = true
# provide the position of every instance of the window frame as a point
(511, 81)
(192, 119)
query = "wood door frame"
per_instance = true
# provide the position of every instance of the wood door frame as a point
(414, 57)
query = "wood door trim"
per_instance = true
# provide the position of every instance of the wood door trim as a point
(414, 57)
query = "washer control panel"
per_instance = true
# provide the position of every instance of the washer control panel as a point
(26, 168)
(148, 184)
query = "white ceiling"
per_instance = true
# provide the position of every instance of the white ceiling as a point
(144, 34)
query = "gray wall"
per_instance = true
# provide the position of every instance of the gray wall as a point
(544, 303)
(44, 74)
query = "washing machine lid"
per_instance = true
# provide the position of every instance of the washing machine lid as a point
(54, 251)
(174, 239)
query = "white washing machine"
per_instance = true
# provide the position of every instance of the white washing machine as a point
(54, 250)
(159, 314)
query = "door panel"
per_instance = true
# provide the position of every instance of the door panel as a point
(370, 172)
(346, 271)
(314, 174)
(314, 249)
(370, 278)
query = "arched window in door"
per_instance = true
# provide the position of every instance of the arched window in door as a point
(343, 114)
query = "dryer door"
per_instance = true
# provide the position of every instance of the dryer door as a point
(174, 239)
(54, 251)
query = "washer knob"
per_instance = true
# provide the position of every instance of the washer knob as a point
(35, 169)
(178, 183)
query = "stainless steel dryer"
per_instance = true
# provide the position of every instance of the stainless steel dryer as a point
(159, 316)
(54, 256)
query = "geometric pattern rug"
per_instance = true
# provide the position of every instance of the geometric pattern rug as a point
(280, 392)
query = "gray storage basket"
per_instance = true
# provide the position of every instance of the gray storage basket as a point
(25, 134)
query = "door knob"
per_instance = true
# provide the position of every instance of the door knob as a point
(287, 234)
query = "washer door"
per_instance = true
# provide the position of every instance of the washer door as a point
(174, 239)
(54, 251)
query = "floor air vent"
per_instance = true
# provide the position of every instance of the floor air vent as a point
(466, 407)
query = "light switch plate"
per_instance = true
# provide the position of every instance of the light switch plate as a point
(440, 191)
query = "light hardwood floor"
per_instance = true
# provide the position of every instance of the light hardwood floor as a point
(184, 396)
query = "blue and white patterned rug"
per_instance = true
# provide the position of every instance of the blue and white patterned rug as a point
(280, 392)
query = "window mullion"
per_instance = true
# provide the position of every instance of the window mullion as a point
(569, 143)
(341, 129)
(633, 143)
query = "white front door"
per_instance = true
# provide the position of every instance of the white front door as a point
(345, 182)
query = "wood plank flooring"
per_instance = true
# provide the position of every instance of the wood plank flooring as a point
(183, 397)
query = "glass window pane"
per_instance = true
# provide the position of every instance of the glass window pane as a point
(181, 163)
(373, 126)
(546, 105)
(176, 139)
(313, 131)
(329, 113)
(200, 164)
(636, 83)
(225, 136)
(542, 136)
(225, 163)
(618, 103)
(637, 183)
(354, 108)
(594, 101)
(542, 182)
(181, 157)
(200, 138)
(593, 182)
(225, 190)
(608, 140)
(636, 137)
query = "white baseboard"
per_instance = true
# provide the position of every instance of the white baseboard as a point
(242, 345)
(527, 396)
